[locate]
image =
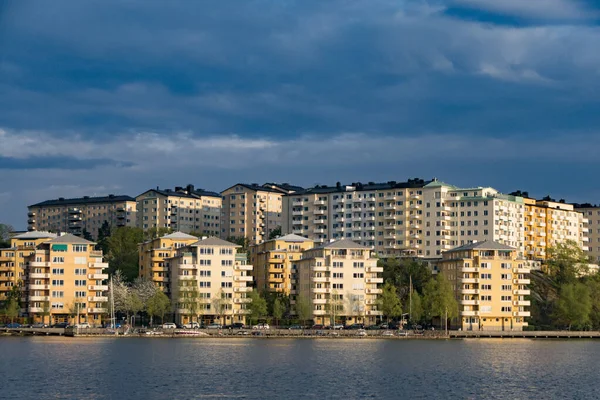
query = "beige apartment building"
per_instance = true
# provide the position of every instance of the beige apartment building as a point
(185, 209)
(80, 215)
(490, 281)
(591, 220)
(274, 262)
(253, 211)
(154, 254)
(209, 282)
(418, 218)
(342, 282)
(13, 259)
(65, 281)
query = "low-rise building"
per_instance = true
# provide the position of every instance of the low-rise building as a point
(65, 282)
(13, 259)
(209, 282)
(154, 253)
(82, 215)
(491, 283)
(273, 260)
(341, 281)
(591, 215)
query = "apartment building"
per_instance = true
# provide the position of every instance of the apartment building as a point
(185, 209)
(13, 259)
(154, 254)
(209, 282)
(273, 260)
(65, 280)
(591, 221)
(341, 280)
(253, 211)
(419, 218)
(490, 281)
(548, 222)
(83, 214)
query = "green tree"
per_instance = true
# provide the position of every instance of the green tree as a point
(257, 306)
(190, 300)
(5, 232)
(566, 262)
(12, 309)
(416, 312)
(594, 287)
(439, 300)
(401, 272)
(87, 236)
(134, 304)
(104, 232)
(275, 233)
(389, 302)
(335, 305)
(278, 310)
(157, 306)
(156, 232)
(573, 306)
(220, 304)
(46, 312)
(242, 241)
(123, 252)
(303, 308)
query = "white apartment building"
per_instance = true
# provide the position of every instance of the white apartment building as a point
(591, 221)
(185, 209)
(209, 282)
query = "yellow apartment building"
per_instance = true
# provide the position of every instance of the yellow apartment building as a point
(253, 211)
(13, 259)
(548, 223)
(342, 282)
(65, 278)
(209, 282)
(273, 261)
(185, 209)
(591, 215)
(491, 285)
(154, 253)
(84, 214)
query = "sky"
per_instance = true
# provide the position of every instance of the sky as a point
(119, 96)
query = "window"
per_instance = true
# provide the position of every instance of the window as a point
(225, 250)
(58, 294)
(204, 284)
(80, 282)
(204, 262)
(506, 298)
(58, 271)
(507, 287)
(358, 264)
(58, 282)
(204, 273)
(486, 276)
(80, 271)
(226, 263)
(80, 248)
(338, 275)
(358, 275)
(338, 264)
(80, 294)
(58, 260)
(207, 250)
(226, 284)
(506, 277)
(338, 285)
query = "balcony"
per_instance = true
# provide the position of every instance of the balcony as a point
(390, 216)
(390, 237)
(39, 287)
(319, 202)
(297, 213)
(74, 211)
(522, 292)
(374, 312)
(469, 291)
(469, 280)
(319, 212)
(242, 289)
(298, 203)
(97, 310)
(98, 276)
(321, 290)
(469, 269)
(39, 298)
(319, 312)
(318, 230)
(98, 287)
(319, 221)
(374, 291)
(374, 280)
(98, 299)
(320, 268)
(38, 275)
(242, 300)
(469, 302)
(320, 279)
(522, 281)
(187, 277)
(374, 269)
(522, 303)
(391, 197)
(469, 313)
(35, 309)
(522, 314)
(245, 278)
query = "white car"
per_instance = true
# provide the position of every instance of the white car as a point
(82, 325)
(261, 326)
(192, 325)
(169, 325)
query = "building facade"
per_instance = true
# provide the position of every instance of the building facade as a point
(13, 260)
(184, 209)
(341, 281)
(153, 256)
(209, 282)
(490, 282)
(272, 261)
(65, 282)
(425, 219)
(80, 215)
(591, 220)
(253, 211)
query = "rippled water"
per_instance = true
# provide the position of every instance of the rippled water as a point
(134, 368)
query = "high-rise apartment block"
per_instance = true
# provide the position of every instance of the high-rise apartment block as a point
(273, 261)
(490, 281)
(253, 211)
(591, 215)
(13, 260)
(185, 209)
(65, 281)
(341, 281)
(425, 219)
(154, 255)
(209, 282)
(84, 214)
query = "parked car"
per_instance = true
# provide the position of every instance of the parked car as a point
(356, 326)
(387, 333)
(61, 325)
(361, 332)
(242, 333)
(402, 333)
(82, 325)
(39, 325)
(337, 326)
(237, 325)
(261, 326)
(318, 326)
(169, 325)
(214, 326)
(294, 327)
(13, 325)
(384, 326)
(373, 328)
(192, 325)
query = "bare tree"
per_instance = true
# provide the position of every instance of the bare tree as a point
(220, 304)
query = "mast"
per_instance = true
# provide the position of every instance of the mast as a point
(112, 305)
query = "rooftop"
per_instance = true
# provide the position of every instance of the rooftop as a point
(344, 244)
(69, 238)
(179, 235)
(188, 192)
(361, 187)
(485, 245)
(214, 241)
(35, 235)
(61, 201)
(292, 238)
